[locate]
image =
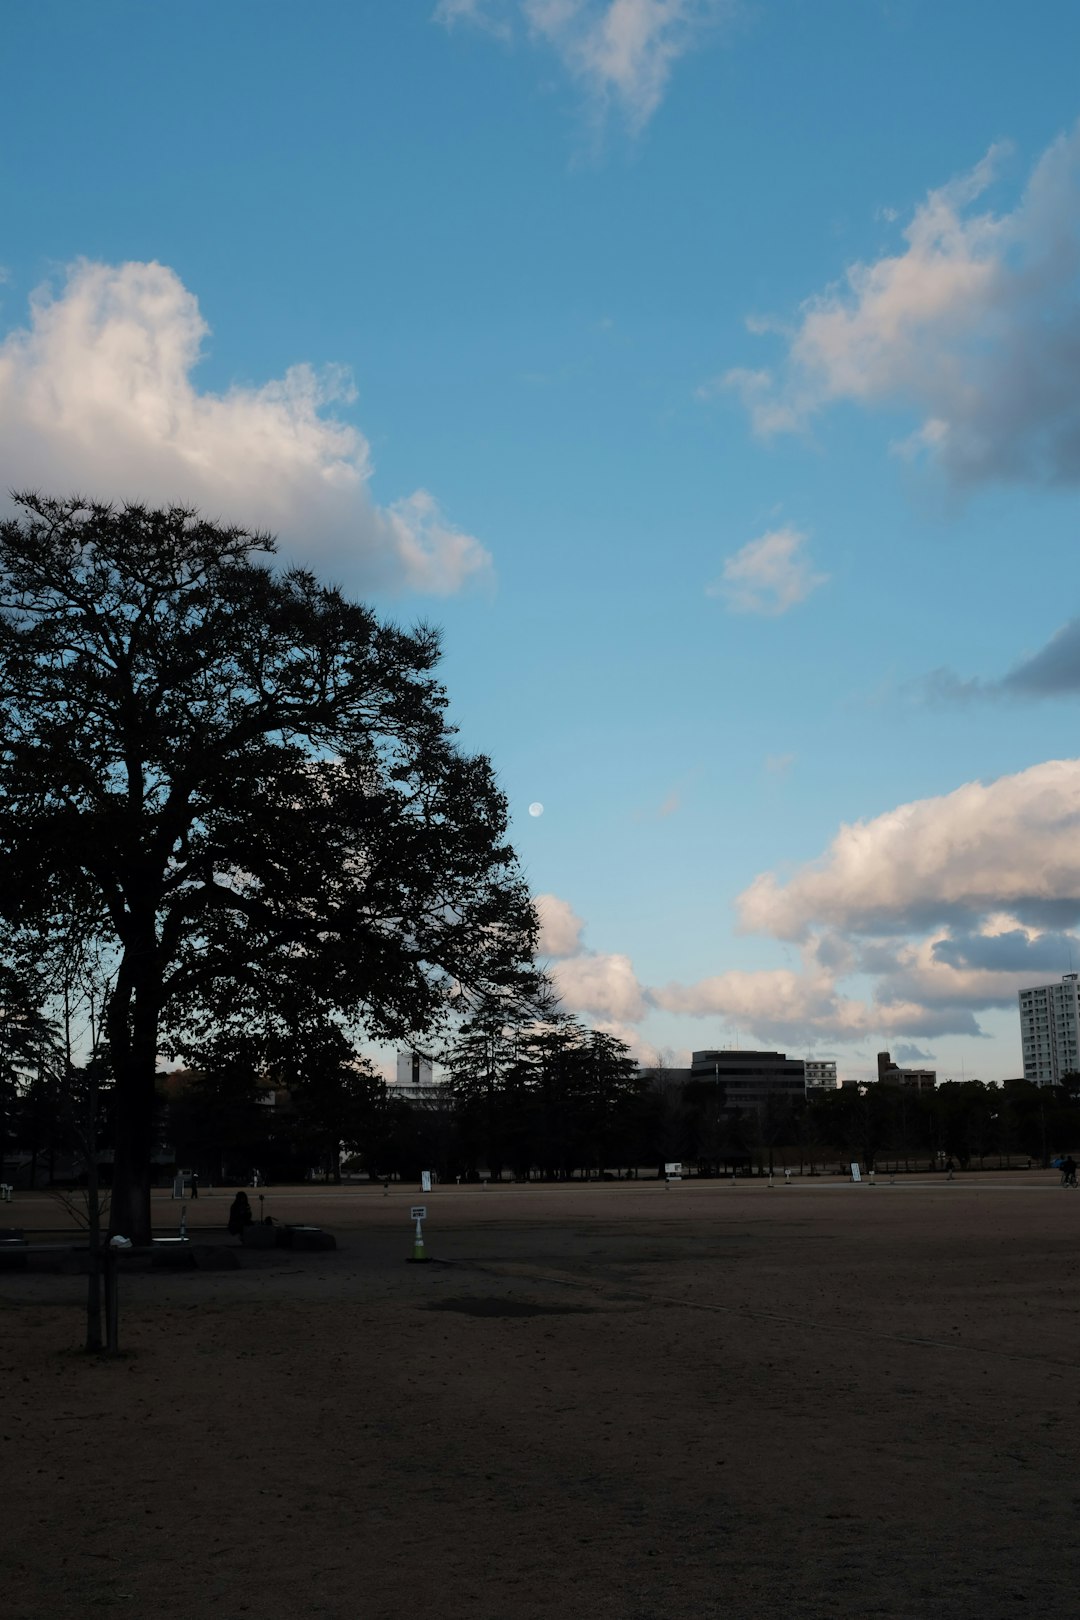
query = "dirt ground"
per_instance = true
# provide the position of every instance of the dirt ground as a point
(617, 1400)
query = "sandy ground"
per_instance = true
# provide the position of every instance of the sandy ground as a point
(616, 1400)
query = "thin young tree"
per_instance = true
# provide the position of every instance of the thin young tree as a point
(249, 783)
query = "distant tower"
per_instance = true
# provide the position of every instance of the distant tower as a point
(414, 1070)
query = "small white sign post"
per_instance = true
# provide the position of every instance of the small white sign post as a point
(673, 1172)
(856, 1173)
(418, 1213)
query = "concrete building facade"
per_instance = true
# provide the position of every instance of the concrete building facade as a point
(891, 1074)
(415, 1080)
(751, 1079)
(1050, 1030)
(820, 1074)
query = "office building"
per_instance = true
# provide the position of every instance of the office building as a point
(1050, 1030)
(891, 1074)
(751, 1079)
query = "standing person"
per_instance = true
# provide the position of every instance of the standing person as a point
(949, 1167)
(194, 1184)
(1068, 1172)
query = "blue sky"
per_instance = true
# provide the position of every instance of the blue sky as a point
(708, 370)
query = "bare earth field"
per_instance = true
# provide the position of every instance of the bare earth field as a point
(615, 1400)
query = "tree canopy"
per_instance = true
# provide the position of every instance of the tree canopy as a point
(247, 787)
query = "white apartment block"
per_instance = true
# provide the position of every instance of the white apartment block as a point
(820, 1073)
(1050, 1030)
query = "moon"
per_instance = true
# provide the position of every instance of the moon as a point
(536, 808)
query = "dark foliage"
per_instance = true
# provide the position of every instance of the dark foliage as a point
(245, 786)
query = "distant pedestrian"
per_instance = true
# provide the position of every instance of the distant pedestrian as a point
(194, 1184)
(949, 1169)
(1068, 1172)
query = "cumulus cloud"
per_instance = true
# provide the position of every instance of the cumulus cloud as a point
(601, 984)
(798, 1008)
(97, 395)
(974, 325)
(1012, 843)
(620, 52)
(560, 926)
(909, 925)
(932, 912)
(770, 575)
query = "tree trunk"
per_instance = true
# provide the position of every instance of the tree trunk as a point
(93, 1281)
(134, 1049)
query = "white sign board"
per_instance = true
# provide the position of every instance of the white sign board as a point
(673, 1171)
(425, 1181)
(856, 1173)
(418, 1212)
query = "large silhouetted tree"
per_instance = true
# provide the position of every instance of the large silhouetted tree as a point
(246, 785)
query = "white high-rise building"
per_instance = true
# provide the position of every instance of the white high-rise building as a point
(820, 1074)
(1050, 1030)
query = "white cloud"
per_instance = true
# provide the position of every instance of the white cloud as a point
(909, 925)
(601, 984)
(96, 395)
(596, 983)
(1011, 844)
(795, 1009)
(621, 52)
(974, 326)
(769, 575)
(914, 921)
(560, 926)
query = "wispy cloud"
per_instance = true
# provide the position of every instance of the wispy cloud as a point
(779, 764)
(770, 575)
(483, 14)
(974, 326)
(621, 53)
(97, 395)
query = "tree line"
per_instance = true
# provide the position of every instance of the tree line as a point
(549, 1100)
